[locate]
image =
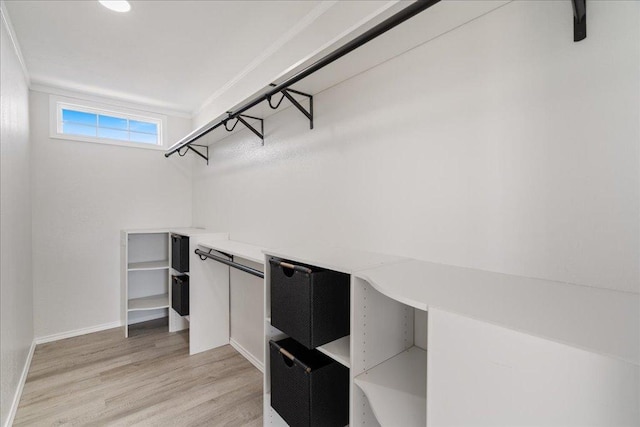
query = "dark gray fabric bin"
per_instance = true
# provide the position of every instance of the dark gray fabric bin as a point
(180, 294)
(310, 390)
(308, 303)
(180, 253)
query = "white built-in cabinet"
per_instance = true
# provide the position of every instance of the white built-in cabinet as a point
(145, 262)
(145, 265)
(429, 344)
(439, 345)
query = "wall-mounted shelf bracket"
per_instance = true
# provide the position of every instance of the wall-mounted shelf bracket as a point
(286, 93)
(190, 147)
(579, 20)
(241, 118)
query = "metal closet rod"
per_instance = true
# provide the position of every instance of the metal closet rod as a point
(389, 23)
(230, 263)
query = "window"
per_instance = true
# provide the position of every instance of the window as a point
(85, 121)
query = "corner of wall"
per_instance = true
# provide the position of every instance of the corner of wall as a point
(23, 379)
(14, 40)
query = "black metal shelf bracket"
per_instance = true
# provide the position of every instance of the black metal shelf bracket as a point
(190, 147)
(579, 20)
(286, 93)
(241, 118)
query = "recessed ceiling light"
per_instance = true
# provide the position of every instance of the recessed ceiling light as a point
(118, 6)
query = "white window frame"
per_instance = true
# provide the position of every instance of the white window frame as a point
(58, 103)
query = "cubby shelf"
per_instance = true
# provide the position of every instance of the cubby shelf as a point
(151, 302)
(148, 265)
(338, 350)
(397, 388)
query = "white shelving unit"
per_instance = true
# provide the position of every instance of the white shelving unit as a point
(145, 275)
(433, 344)
(336, 259)
(494, 341)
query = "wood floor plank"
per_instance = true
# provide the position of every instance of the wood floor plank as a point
(146, 379)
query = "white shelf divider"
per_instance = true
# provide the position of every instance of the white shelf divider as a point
(149, 303)
(397, 389)
(338, 350)
(148, 265)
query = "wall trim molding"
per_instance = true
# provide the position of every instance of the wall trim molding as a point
(247, 355)
(21, 382)
(77, 332)
(4, 13)
(36, 86)
(92, 329)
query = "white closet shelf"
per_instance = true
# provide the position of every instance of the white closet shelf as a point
(338, 350)
(397, 389)
(594, 319)
(148, 265)
(149, 303)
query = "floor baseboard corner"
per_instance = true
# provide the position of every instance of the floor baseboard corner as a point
(77, 332)
(23, 380)
(247, 355)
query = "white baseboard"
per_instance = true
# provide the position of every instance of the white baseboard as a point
(77, 332)
(23, 379)
(250, 357)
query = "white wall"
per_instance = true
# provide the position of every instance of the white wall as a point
(83, 194)
(16, 292)
(501, 145)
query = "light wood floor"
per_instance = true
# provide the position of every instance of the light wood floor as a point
(146, 379)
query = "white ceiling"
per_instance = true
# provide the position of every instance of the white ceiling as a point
(169, 54)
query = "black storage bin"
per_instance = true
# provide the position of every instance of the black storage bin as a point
(308, 303)
(180, 294)
(180, 253)
(308, 388)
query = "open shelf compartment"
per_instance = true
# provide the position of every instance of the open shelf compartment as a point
(148, 265)
(389, 359)
(397, 388)
(151, 302)
(338, 350)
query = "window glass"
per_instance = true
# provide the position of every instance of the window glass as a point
(79, 117)
(71, 128)
(112, 122)
(144, 127)
(92, 123)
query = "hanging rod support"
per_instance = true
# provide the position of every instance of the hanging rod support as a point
(579, 20)
(241, 118)
(259, 134)
(286, 93)
(190, 147)
(407, 13)
(233, 264)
